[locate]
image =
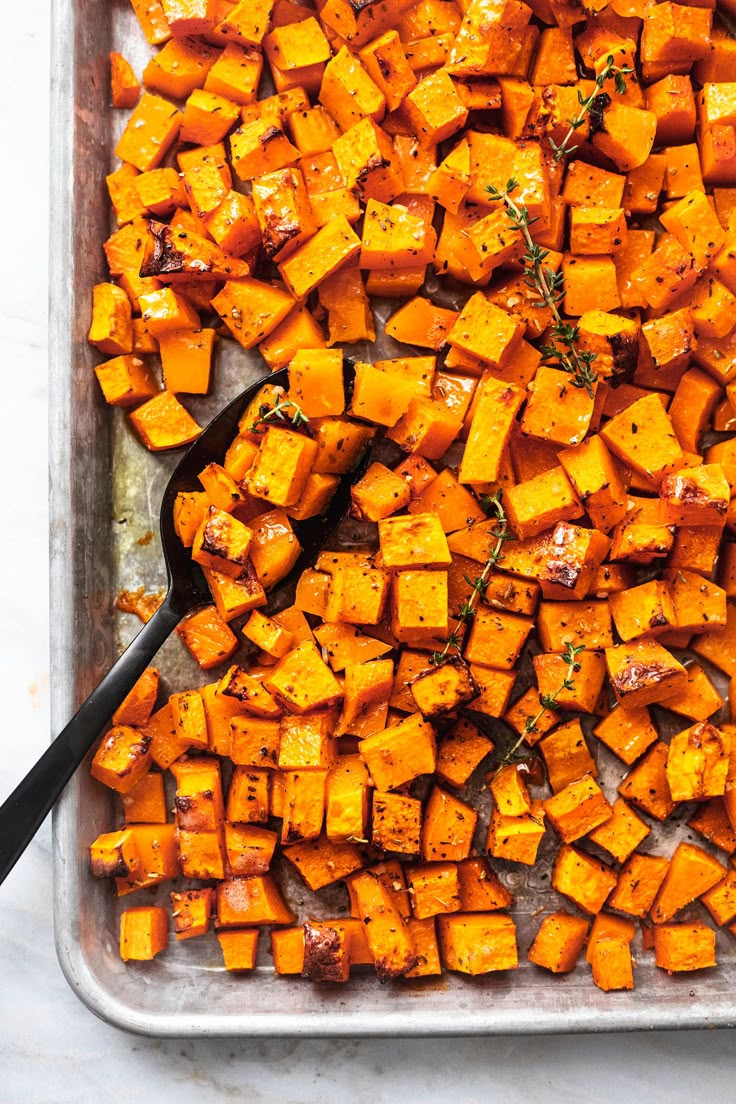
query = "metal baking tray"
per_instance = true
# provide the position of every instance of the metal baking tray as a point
(105, 491)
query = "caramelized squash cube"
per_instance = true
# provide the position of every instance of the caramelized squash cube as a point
(559, 942)
(478, 943)
(400, 753)
(144, 933)
(122, 758)
(698, 762)
(302, 681)
(585, 880)
(643, 672)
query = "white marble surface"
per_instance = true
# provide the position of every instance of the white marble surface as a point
(51, 1047)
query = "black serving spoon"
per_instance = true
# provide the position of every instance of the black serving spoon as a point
(24, 811)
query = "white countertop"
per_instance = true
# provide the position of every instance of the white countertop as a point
(51, 1047)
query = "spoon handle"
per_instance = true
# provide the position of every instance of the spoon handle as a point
(24, 811)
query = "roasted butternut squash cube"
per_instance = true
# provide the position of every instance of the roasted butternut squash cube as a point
(414, 541)
(347, 799)
(192, 912)
(275, 547)
(387, 65)
(394, 238)
(638, 884)
(302, 680)
(156, 845)
(700, 700)
(137, 706)
(114, 855)
(316, 382)
(556, 410)
(495, 413)
(368, 163)
(149, 133)
(478, 943)
(306, 741)
(443, 688)
(577, 810)
(596, 481)
(539, 503)
(400, 753)
(234, 597)
(695, 496)
(111, 330)
(434, 888)
(379, 493)
(281, 467)
(596, 230)
(428, 428)
(388, 936)
(221, 543)
(646, 786)
(251, 901)
(144, 933)
(621, 833)
(698, 762)
(517, 838)
(247, 798)
(255, 741)
(122, 758)
(396, 825)
(643, 672)
(357, 595)
(567, 756)
(644, 438)
(496, 639)
(376, 402)
(260, 146)
(559, 942)
(448, 829)
(641, 536)
(324, 253)
(252, 697)
(460, 752)
(692, 871)
(126, 380)
(585, 880)
(589, 673)
(562, 623)
(283, 211)
(680, 948)
(146, 803)
(419, 606)
(627, 732)
(268, 635)
(646, 609)
(485, 331)
(304, 805)
(322, 862)
(720, 901)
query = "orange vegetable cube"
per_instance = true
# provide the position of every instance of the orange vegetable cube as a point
(478, 943)
(559, 941)
(144, 933)
(122, 758)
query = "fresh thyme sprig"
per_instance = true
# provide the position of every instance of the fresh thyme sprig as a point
(549, 285)
(268, 414)
(546, 702)
(492, 504)
(594, 104)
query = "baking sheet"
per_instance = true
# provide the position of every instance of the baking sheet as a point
(105, 494)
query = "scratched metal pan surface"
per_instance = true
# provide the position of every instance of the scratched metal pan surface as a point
(105, 491)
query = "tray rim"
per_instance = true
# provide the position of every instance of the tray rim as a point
(412, 1022)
